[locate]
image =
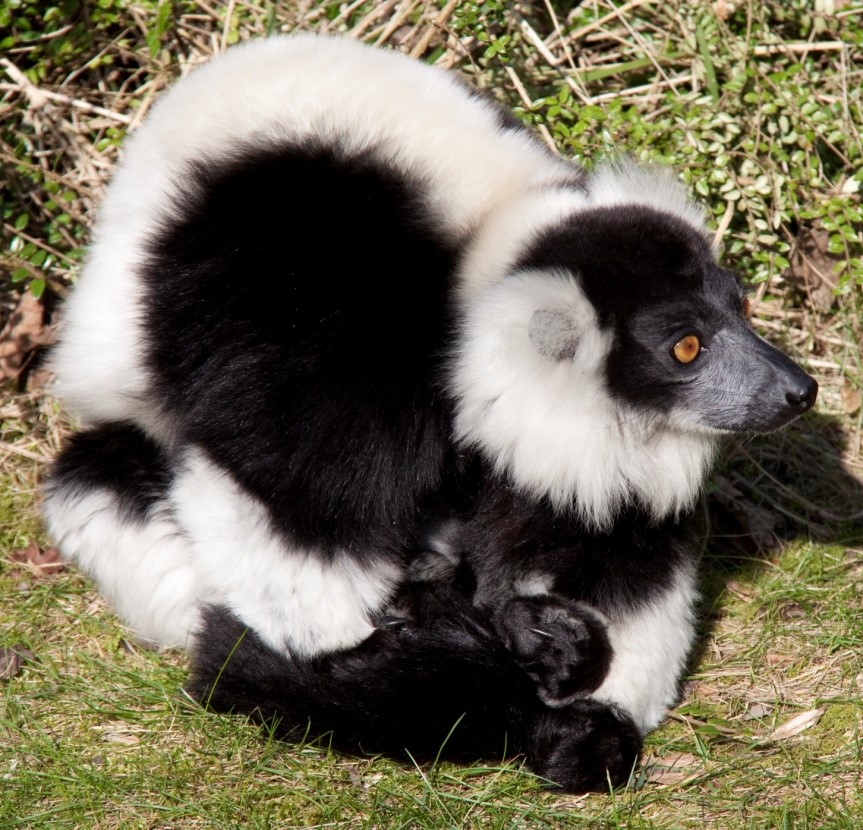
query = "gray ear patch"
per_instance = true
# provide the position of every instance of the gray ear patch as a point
(554, 334)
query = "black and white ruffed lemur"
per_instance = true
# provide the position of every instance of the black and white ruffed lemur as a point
(393, 418)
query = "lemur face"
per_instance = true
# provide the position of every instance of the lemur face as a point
(680, 341)
(697, 358)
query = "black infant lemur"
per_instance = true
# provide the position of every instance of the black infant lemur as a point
(393, 417)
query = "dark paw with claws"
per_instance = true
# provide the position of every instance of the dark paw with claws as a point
(561, 644)
(585, 747)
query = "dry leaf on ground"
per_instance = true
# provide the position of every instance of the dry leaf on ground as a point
(41, 563)
(757, 711)
(795, 726)
(24, 332)
(852, 398)
(812, 266)
(11, 660)
(124, 738)
(671, 769)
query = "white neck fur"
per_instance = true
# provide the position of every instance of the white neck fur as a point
(551, 425)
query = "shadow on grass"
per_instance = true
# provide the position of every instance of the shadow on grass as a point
(772, 491)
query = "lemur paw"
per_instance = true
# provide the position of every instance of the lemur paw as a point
(561, 644)
(584, 747)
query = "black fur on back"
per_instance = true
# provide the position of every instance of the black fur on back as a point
(328, 278)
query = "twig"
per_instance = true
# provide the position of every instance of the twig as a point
(38, 97)
(637, 90)
(435, 26)
(823, 512)
(12, 231)
(346, 11)
(226, 27)
(525, 98)
(538, 42)
(779, 48)
(559, 33)
(723, 224)
(11, 448)
(378, 10)
(618, 13)
(407, 7)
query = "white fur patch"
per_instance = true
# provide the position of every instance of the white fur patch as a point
(301, 602)
(209, 543)
(507, 232)
(144, 569)
(626, 183)
(534, 585)
(651, 646)
(551, 424)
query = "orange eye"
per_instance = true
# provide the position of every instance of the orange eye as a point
(687, 349)
(747, 308)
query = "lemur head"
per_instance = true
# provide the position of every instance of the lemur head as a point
(604, 350)
(680, 341)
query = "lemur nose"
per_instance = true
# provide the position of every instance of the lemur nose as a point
(804, 395)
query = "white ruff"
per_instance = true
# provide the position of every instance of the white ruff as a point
(551, 425)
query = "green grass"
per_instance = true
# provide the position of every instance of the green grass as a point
(760, 110)
(96, 732)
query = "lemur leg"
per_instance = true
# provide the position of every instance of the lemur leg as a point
(619, 604)
(608, 678)
(434, 681)
(629, 656)
(562, 644)
(164, 538)
(651, 644)
(587, 745)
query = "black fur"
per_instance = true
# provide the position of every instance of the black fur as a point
(118, 458)
(405, 689)
(336, 313)
(508, 536)
(559, 643)
(587, 745)
(507, 539)
(439, 684)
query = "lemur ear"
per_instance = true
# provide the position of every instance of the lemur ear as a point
(554, 333)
